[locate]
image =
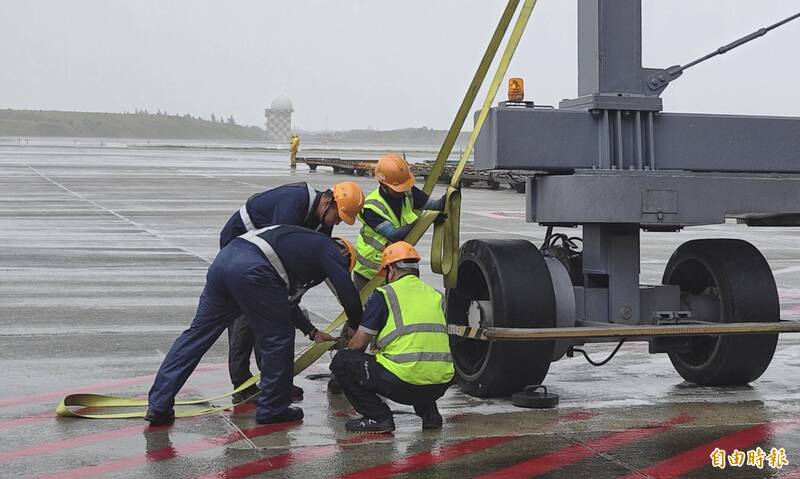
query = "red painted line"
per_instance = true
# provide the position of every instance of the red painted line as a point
(166, 453)
(439, 455)
(698, 457)
(92, 387)
(73, 442)
(282, 460)
(22, 421)
(425, 459)
(793, 474)
(575, 453)
(346, 413)
(47, 416)
(274, 462)
(577, 416)
(88, 439)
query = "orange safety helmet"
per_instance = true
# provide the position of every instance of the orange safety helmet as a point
(393, 171)
(349, 200)
(351, 251)
(395, 252)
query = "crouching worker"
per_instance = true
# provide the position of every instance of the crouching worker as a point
(260, 275)
(412, 365)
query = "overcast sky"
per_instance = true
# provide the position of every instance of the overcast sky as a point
(362, 63)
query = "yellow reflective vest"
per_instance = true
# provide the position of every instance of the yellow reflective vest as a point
(370, 243)
(414, 345)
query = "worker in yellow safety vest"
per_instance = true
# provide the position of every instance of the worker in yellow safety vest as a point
(294, 145)
(413, 364)
(388, 214)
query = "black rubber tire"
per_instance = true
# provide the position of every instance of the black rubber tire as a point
(513, 275)
(739, 276)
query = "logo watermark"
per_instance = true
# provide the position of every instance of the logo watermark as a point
(776, 458)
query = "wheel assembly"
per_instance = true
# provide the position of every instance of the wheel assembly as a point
(727, 281)
(501, 283)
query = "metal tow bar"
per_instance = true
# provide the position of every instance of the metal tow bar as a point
(534, 334)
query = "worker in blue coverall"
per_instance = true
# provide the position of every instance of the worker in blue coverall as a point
(260, 275)
(293, 204)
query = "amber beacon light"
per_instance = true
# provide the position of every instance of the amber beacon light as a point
(516, 89)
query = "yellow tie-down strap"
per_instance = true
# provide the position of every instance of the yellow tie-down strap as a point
(444, 247)
(139, 406)
(445, 243)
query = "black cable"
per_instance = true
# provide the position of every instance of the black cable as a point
(547, 237)
(603, 361)
(512, 177)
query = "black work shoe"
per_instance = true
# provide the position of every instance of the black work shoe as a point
(157, 418)
(432, 419)
(365, 424)
(248, 395)
(291, 414)
(333, 386)
(297, 394)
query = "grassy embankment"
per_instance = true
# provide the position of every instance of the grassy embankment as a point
(73, 124)
(119, 125)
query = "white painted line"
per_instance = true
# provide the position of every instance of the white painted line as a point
(127, 220)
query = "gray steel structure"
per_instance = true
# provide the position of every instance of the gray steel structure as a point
(611, 161)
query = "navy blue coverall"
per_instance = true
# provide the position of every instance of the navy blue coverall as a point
(292, 204)
(242, 281)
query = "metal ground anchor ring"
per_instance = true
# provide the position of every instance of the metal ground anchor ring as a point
(530, 397)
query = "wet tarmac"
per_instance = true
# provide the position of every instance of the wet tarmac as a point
(103, 253)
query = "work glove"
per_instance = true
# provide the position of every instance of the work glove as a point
(436, 205)
(440, 218)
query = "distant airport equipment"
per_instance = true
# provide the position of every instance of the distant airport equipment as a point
(469, 177)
